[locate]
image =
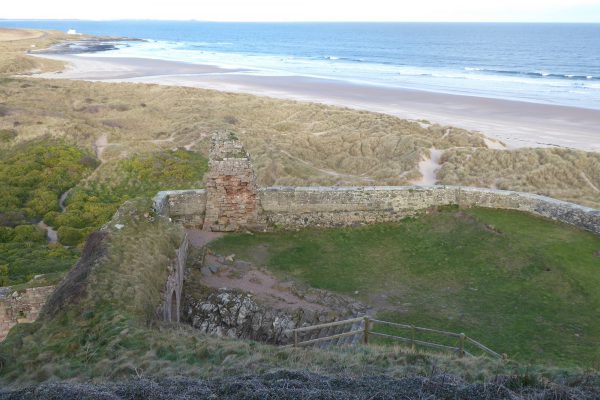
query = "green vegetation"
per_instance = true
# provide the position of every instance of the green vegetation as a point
(24, 260)
(109, 330)
(33, 176)
(522, 285)
(93, 203)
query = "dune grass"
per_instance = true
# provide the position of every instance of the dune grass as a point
(15, 42)
(522, 285)
(560, 173)
(291, 143)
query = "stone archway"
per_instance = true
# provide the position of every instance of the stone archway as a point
(174, 312)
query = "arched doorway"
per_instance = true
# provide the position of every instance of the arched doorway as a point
(174, 309)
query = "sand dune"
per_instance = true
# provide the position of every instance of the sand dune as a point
(517, 124)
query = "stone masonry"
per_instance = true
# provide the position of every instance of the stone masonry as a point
(232, 201)
(297, 207)
(18, 307)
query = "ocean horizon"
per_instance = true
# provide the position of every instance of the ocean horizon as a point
(534, 62)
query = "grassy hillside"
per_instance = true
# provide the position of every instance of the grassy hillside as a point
(522, 285)
(100, 325)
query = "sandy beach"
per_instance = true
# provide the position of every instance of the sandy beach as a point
(517, 124)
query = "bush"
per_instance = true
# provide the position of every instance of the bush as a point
(27, 259)
(72, 236)
(142, 175)
(6, 234)
(29, 233)
(33, 177)
(4, 280)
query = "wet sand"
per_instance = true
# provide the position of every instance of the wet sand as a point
(516, 123)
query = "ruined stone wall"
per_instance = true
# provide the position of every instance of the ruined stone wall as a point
(184, 206)
(342, 206)
(294, 207)
(18, 307)
(232, 201)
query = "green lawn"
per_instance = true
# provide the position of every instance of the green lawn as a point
(522, 285)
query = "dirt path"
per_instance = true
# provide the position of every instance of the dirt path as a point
(227, 272)
(199, 238)
(51, 234)
(100, 145)
(263, 285)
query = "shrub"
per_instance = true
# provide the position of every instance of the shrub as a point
(29, 233)
(33, 177)
(6, 234)
(4, 280)
(72, 236)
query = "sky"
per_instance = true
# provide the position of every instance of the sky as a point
(310, 10)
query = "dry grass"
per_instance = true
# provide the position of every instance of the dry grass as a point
(560, 173)
(15, 42)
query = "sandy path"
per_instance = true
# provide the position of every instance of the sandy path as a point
(589, 182)
(428, 168)
(100, 145)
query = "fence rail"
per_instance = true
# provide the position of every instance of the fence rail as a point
(367, 331)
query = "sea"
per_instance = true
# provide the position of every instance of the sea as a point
(541, 63)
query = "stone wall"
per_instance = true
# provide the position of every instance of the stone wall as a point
(18, 307)
(172, 301)
(231, 197)
(343, 206)
(184, 206)
(294, 207)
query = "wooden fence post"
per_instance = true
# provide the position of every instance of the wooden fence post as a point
(461, 346)
(366, 331)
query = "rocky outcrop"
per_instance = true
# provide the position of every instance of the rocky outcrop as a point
(238, 314)
(235, 314)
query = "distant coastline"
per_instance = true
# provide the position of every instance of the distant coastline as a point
(555, 64)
